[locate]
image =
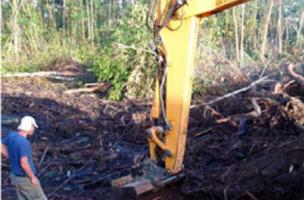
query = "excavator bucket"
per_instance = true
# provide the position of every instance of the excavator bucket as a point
(144, 177)
(132, 189)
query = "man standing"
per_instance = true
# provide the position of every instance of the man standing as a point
(18, 150)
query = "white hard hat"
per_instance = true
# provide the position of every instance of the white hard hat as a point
(26, 123)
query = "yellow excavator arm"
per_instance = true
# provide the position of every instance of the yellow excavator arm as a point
(176, 31)
(176, 25)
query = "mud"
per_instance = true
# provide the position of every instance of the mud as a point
(85, 141)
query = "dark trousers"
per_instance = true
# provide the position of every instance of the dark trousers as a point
(26, 190)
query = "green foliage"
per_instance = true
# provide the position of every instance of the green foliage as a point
(124, 52)
(113, 71)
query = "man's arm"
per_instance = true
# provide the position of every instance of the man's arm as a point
(28, 170)
(4, 151)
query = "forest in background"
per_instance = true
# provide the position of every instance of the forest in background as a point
(110, 37)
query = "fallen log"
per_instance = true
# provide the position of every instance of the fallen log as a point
(291, 71)
(95, 89)
(9, 120)
(203, 132)
(251, 195)
(61, 78)
(242, 118)
(215, 113)
(42, 171)
(43, 156)
(91, 84)
(231, 94)
(50, 74)
(256, 106)
(67, 180)
(252, 114)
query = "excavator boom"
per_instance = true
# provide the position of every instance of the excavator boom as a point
(176, 26)
(176, 33)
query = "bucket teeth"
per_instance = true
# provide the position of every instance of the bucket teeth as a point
(146, 176)
(132, 190)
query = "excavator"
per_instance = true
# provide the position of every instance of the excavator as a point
(176, 26)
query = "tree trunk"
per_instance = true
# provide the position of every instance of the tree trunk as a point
(236, 31)
(92, 21)
(82, 21)
(299, 30)
(280, 28)
(31, 31)
(16, 28)
(88, 19)
(255, 25)
(242, 37)
(110, 13)
(64, 17)
(265, 30)
(83, 30)
(52, 21)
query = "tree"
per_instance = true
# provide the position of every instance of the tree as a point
(265, 29)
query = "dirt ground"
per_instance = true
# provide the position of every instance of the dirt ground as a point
(234, 151)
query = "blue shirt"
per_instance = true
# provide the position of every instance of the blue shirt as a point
(18, 147)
